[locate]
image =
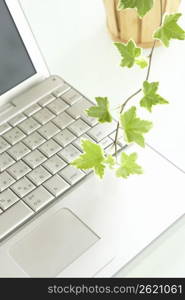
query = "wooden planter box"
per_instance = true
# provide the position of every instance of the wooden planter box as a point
(124, 25)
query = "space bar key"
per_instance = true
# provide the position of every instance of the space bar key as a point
(13, 217)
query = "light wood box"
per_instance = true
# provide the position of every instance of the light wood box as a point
(125, 25)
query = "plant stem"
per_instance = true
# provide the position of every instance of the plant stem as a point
(154, 44)
(150, 61)
(121, 110)
(147, 77)
(128, 99)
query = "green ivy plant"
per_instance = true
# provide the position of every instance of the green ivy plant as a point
(132, 127)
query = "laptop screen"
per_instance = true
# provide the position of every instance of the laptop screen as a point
(15, 63)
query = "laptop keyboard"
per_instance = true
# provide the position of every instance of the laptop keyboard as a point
(36, 148)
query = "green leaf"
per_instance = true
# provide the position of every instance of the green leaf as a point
(170, 30)
(101, 110)
(142, 6)
(100, 170)
(128, 165)
(129, 52)
(133, 127)
(150, 95)
(92, 158)
(110, 161)
(141, 62)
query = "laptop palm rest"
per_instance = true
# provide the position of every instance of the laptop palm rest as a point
(53, 245)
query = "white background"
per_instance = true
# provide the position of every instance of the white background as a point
(73, 38)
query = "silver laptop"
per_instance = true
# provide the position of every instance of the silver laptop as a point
(47, 225)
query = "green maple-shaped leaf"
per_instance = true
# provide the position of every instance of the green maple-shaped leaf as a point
(141, 62)
(110, 161)
(150, 95)
(130, 54)
(128, 165)
(170, 29)
(92, 158)
(101, 110)
(142, 6)
(134, 128)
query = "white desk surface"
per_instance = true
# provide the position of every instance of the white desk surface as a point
(73, 38)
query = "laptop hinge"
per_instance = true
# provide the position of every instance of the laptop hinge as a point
(5, 108)
(38, 91)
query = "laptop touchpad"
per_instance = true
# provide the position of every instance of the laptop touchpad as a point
(53, 245)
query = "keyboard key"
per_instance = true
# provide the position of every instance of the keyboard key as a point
(106, 142)
(100, 131)
(5, 181)
(38, 198)
(71, 96)
(34, 159)
(64, 88)
(64, 138)
(79, 111)
(7, 199)
(31, 110)
(34, 140)
(63, 120)
(39, 175)
(46, 100)
(50, 148)
(58, 106)
(18, 151)
(5, 161)
(69, 153)
(3, 145)
(23, 187)
(54, 164)
(71, 174)
(17, 119)
(4, 128)
(79, 127)
(48, 130)
(77, 143)
(113, 135)
(89, 120)
(13, 217)
(1, 211)
(120, 140)
(88, 171)
(29, 125)
(111, 149)
(78, 108)
(14, 135)
(19, 170)
(43, 116)
(56, 185)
